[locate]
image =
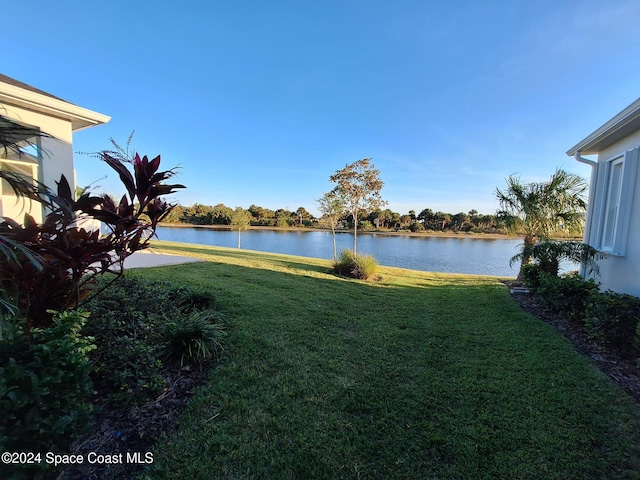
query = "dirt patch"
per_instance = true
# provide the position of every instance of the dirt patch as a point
(116, 431)
(624, 372)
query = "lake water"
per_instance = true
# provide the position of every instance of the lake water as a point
(480, 256)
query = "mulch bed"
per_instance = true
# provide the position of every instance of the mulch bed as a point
(624, 372)
(115, 431)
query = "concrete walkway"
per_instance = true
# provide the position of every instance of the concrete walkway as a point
(151, 258)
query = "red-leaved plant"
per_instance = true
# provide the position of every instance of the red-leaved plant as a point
(54, 263)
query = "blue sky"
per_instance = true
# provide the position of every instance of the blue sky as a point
(260, 102)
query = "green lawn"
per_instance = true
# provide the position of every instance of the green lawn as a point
(417, 376)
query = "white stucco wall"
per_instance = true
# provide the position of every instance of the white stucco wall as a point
(622, 274)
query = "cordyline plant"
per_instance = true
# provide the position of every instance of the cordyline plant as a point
(54, 262)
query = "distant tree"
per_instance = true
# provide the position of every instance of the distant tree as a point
(302, 214)
(175, 215)
(221, 214)
(406, 220)
(442, 220)
(543, 209)
(283, 218)
(460, 220)
(199, 214)
(427, 217)
(359, 185)
(332, 207)
(240, 220)
(384, 218)
(257, 212)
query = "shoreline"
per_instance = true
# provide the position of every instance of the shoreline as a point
(470, 235)
(489, 236)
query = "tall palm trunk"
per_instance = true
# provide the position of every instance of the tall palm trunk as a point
(529, 241)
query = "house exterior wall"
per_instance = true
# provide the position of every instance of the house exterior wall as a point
(622, 273)
(56, 156)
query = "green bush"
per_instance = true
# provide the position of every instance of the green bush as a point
(129, 324)
(567, 294)
(363, 267)
(612, 318)
(193, 299)
(345, 263)
(530, 274)
(192, 339)
(44, 386)
(126, 323)
(366, 267)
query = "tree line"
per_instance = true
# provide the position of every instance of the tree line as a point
(380, 219)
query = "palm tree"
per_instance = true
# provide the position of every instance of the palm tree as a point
(541, 210)
(548, 254)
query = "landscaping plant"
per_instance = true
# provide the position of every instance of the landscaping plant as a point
(543, 209)
(70, 256)
(567, 294)
(363, 267)
(548, 255)
(44, 388)
(192, 339)
(612, 318)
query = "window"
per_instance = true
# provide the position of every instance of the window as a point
(612, 204)
(614, 195)
(19, 154)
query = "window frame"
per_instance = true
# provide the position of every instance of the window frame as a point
(612, 233)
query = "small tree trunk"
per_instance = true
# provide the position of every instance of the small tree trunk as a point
(335, 248)
(355, 234)
(238, 239)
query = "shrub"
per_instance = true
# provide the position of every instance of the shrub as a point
(345, 263)
(192, 339)
(51, 265)
(125, 323)
(363, 267)
(44, 385)
(530, 274)
(191, 299)
(366, 267)
(129, 324)
(612, 318)
(567, 294)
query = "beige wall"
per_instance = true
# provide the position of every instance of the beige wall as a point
(56, 158)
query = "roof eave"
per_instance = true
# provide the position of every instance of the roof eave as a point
(79, 117)
(623, 124)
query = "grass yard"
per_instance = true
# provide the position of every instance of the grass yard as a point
(417, 376)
